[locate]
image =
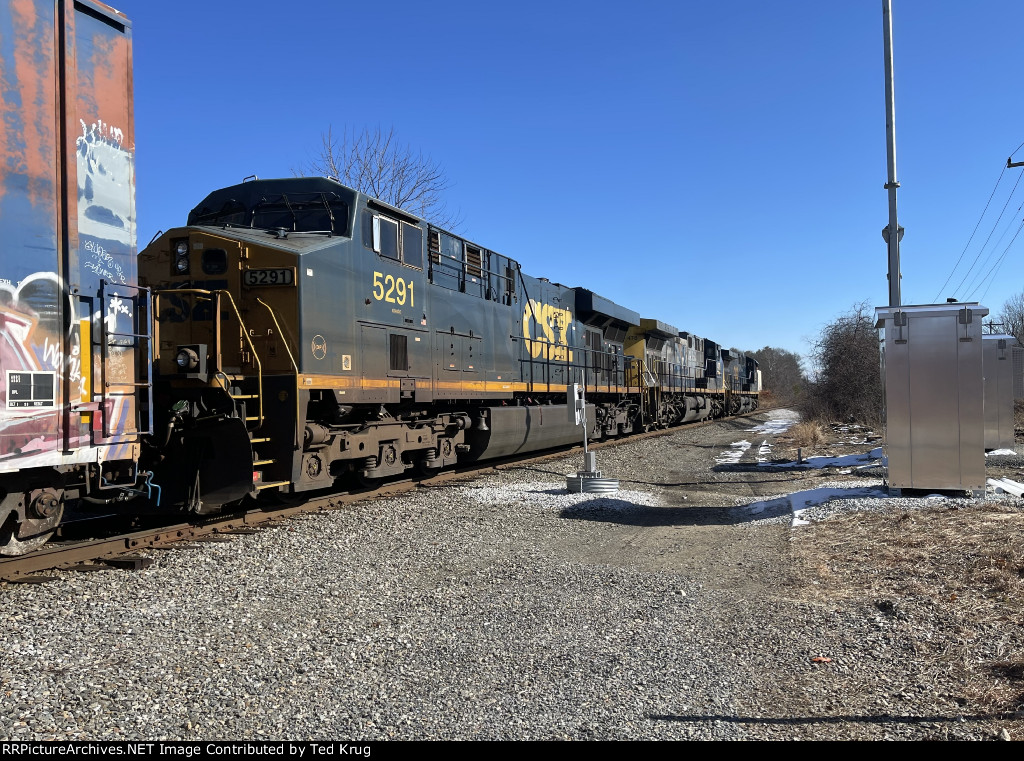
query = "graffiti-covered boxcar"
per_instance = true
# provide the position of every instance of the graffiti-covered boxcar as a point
(73, 346)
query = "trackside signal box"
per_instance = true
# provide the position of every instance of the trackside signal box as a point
(998, 367)
(934, 391)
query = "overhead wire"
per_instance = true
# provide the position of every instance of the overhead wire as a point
(991, 233)
(975, 230)
(975, 283)
(999, 263)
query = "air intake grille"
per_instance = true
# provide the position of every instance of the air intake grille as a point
(474, 261)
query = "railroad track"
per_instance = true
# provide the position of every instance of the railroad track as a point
(120, 550)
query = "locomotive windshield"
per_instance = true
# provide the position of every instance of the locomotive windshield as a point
(317, 212)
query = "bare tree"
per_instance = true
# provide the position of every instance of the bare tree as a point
(848, 385)
(1012, 317)
(375, 163)
(781, 373)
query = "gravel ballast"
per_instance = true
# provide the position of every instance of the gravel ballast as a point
(498, 608)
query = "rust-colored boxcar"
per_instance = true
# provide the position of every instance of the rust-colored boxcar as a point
(73, 350)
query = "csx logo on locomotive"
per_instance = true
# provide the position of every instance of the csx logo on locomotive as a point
(546, 330)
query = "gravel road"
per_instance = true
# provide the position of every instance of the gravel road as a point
(498, 608)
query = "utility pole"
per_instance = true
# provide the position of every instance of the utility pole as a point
(893, 241)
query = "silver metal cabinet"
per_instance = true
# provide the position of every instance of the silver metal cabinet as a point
(998, 365)
(934, 416)
(1018, 372)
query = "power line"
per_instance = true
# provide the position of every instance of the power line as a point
(971, 285)
(950, 276)
(999, 262)
(994, 226)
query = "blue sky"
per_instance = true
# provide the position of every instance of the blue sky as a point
(715, 165)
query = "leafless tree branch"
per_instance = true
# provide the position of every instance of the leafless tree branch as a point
(781, 373)
(1012, 317)
(848, 385)
(375, 163)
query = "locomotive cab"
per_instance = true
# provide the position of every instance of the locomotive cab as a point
(227, 331)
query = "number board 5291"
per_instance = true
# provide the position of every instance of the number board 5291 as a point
(272, 276)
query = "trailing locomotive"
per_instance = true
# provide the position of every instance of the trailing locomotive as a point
(305, 332)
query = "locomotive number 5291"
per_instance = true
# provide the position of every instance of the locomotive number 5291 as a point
(393, 290)
(279, 276)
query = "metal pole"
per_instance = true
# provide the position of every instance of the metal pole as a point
(892, 233)
(583, 394)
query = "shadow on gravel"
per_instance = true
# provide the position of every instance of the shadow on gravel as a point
(757, 467)
(625, 513)
(880, 719)
(559, 473)
(622, 481)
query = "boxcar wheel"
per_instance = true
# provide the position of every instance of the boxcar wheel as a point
(45, 508)
(11, 546)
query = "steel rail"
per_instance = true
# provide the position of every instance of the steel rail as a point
(96, 552)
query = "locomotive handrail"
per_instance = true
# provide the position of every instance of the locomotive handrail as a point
(291, 358)
(618, 378)
(287, 348)
(218, 370)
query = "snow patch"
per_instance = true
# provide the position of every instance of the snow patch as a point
(868, 460)
(778, 421)
(732, 455)
(799, 502)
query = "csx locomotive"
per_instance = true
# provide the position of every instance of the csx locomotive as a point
(305, 331)
(293, 333)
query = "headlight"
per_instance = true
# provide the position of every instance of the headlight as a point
(187, 359)
(181, 251)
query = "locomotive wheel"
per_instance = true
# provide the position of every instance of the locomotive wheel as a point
(428, 465)
(427, 471)
(368, 482)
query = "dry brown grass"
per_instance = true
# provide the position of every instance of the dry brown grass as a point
(1018, 416)
(953, 575)
(807, 434)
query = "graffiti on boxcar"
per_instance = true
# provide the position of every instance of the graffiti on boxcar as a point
(101, 263)
(35, 358)
(31, 360)
(106, 213)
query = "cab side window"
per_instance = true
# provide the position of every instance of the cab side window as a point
(385, 237)
(412, 245)
(392, 238)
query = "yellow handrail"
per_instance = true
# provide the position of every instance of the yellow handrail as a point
(245, 333)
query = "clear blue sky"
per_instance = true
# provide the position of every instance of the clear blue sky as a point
(716, 165)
